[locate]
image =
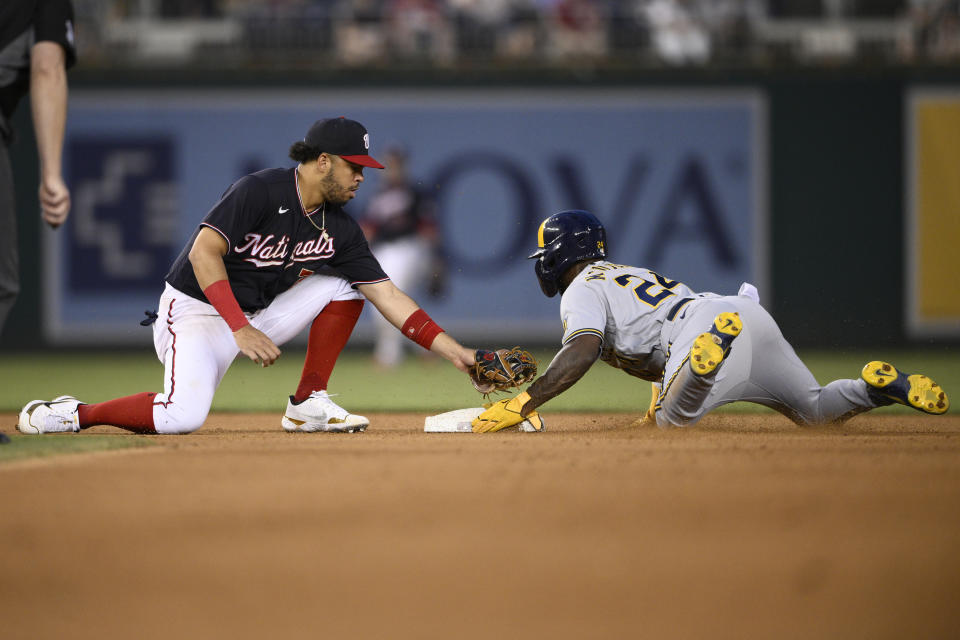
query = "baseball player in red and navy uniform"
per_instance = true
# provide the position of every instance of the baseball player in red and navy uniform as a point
(276, 254)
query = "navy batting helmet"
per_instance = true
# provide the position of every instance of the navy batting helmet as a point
(565, 239)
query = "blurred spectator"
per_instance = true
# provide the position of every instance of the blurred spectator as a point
(934, 30)
(287, 27)
(420, 30)
(948, 35)
(521, 36)
(447, 32)
(628, 29)
(360, 35)
(478, 23)
(677, 33)
(401, 225)
(577, 29)
(731, 24)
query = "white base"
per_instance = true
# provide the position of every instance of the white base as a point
(459, 421)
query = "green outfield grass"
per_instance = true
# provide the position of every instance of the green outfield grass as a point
(418, 385)
(21, 447)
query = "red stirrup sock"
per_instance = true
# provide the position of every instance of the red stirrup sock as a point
(133, 413)
(328, 336)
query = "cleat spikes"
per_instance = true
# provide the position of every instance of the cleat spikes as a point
(886, 385)
(709, 349)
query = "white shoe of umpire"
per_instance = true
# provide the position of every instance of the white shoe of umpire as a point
(320, 413)
(57, 416)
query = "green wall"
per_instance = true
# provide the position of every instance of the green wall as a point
(836, 201)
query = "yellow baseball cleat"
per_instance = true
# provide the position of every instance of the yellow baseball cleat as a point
(918, 391)
(710, 348)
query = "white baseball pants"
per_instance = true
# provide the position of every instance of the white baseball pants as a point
(197, 347)
(407, 263)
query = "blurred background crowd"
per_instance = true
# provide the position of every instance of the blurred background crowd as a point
(504, 33)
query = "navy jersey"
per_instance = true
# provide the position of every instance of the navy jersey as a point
(273, 242)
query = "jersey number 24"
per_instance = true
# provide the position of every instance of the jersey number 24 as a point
(642, 290)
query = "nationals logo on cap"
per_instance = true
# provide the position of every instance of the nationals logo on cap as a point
(342, 137)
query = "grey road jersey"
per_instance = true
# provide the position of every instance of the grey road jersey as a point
(626, 307)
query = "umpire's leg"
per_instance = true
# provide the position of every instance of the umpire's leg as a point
(9, 270)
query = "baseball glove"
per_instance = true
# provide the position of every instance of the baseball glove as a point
(502, 369)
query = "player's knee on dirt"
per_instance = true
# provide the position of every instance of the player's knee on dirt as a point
(681, 405)
(179, 420)
(681, 402)
(669, 415)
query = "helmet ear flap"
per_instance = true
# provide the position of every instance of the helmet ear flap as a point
(547, 261)
(547, 285)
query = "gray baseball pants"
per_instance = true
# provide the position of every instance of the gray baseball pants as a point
(761, 368)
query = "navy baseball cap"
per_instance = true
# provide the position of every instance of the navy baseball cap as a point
(342, 137)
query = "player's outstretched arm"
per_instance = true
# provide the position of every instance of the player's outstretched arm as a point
(461, 357)
(402, 312)
(206, 257)
(569, 365)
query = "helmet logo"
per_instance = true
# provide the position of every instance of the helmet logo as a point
(600, 246)
(540, 234)
(366, 141)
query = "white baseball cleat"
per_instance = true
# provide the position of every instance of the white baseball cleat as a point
(320, 413)
(57, 416)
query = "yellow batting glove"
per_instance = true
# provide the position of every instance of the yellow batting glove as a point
(505, 414)
(651, 415)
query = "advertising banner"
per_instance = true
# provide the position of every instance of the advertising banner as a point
(677, 176)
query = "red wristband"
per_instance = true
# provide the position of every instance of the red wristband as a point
(221, 297)
(420, 328)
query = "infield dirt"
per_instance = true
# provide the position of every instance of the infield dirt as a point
(742, 527)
